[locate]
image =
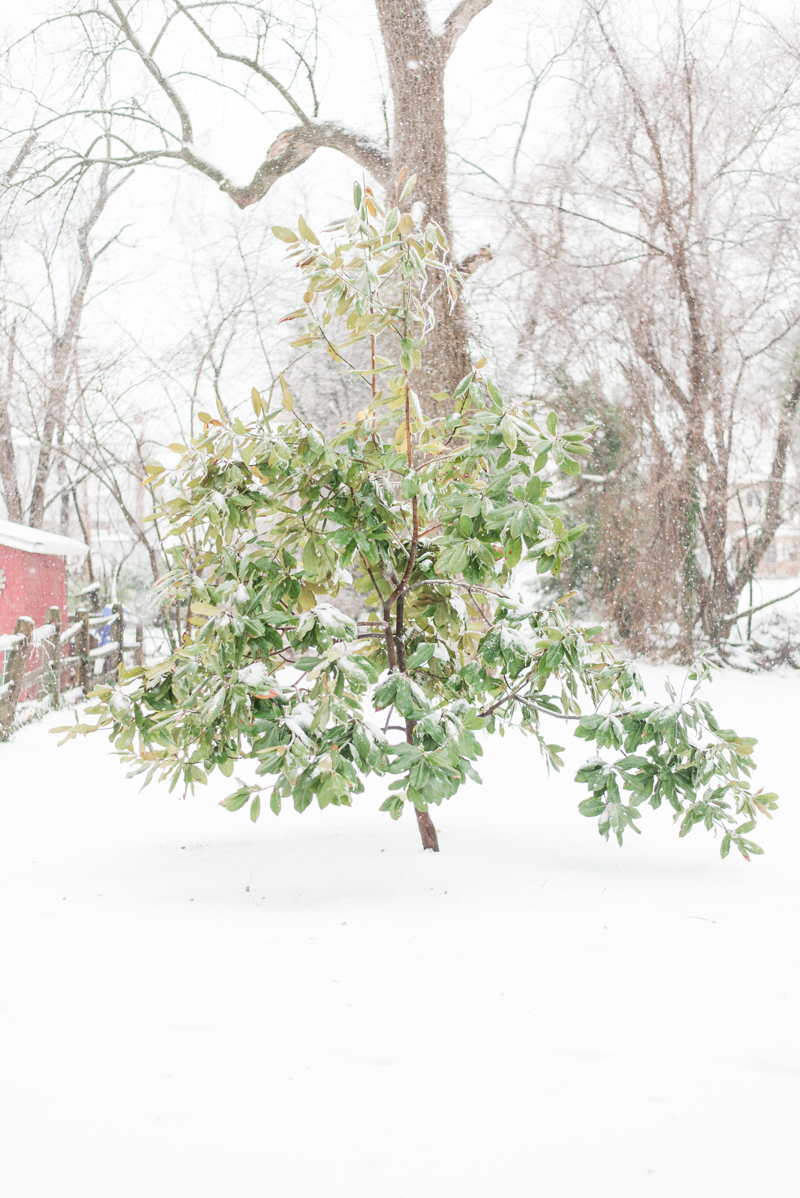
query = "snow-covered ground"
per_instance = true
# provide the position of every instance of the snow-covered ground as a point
(191, 1005)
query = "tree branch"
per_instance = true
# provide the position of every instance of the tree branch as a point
(470, 264)
(459, 21)
(288, 151)
(291, 149)
(156, 72)
(759, 607)
(254, 66)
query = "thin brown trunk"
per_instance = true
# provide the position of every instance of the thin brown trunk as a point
(63, 482)
(63, 350)
(8, 465)
(8, 461)
(427, 829)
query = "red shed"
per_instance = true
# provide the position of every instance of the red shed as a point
(33, 572)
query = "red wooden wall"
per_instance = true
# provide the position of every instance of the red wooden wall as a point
(34, 582)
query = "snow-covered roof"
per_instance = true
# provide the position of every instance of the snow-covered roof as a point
(35, 540)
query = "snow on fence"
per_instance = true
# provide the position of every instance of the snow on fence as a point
(48, 667)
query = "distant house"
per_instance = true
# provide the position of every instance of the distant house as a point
(782, 558)
(33, 572)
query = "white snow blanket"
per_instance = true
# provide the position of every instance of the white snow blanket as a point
(193, 1006)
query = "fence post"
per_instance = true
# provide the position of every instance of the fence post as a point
(118, 635)
(83, 642)
(51, 656)
(16, 662)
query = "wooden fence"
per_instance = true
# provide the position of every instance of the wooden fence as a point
(46, 667)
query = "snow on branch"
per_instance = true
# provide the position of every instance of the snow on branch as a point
(458, 22)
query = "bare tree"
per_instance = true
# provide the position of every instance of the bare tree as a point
(41, 330)
(9, 472)
(247, 47)
(665, 251)
(64, 342)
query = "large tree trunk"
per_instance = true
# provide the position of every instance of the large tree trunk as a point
(417, 61)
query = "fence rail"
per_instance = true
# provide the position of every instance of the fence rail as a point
(47, 666)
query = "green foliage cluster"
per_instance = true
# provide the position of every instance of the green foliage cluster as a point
(428, 517)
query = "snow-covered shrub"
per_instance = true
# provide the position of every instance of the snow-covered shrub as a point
(429, 516)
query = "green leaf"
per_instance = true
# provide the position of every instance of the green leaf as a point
(409, 187)
(237, 799)
(284, 234)
(509, 433)
(420, 656)
(255, 808)
(495, 395)
(384, 695)
(307, 233)
(205, 609)
(591, 807)
(463, 385)
(576, 532)
(404, 697)
(213, 706)
(394, 805)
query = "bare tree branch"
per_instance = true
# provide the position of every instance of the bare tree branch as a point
(161, 79)
(459, 21)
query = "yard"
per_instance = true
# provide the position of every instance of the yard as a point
(194, 1005)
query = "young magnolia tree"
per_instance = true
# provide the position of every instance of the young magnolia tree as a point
(428, 518)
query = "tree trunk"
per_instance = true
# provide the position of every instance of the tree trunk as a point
(427, 831)
(63, 350)
(54, 413)
(8, 461)
(425, 824)
(8, 464)
(417, 61)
